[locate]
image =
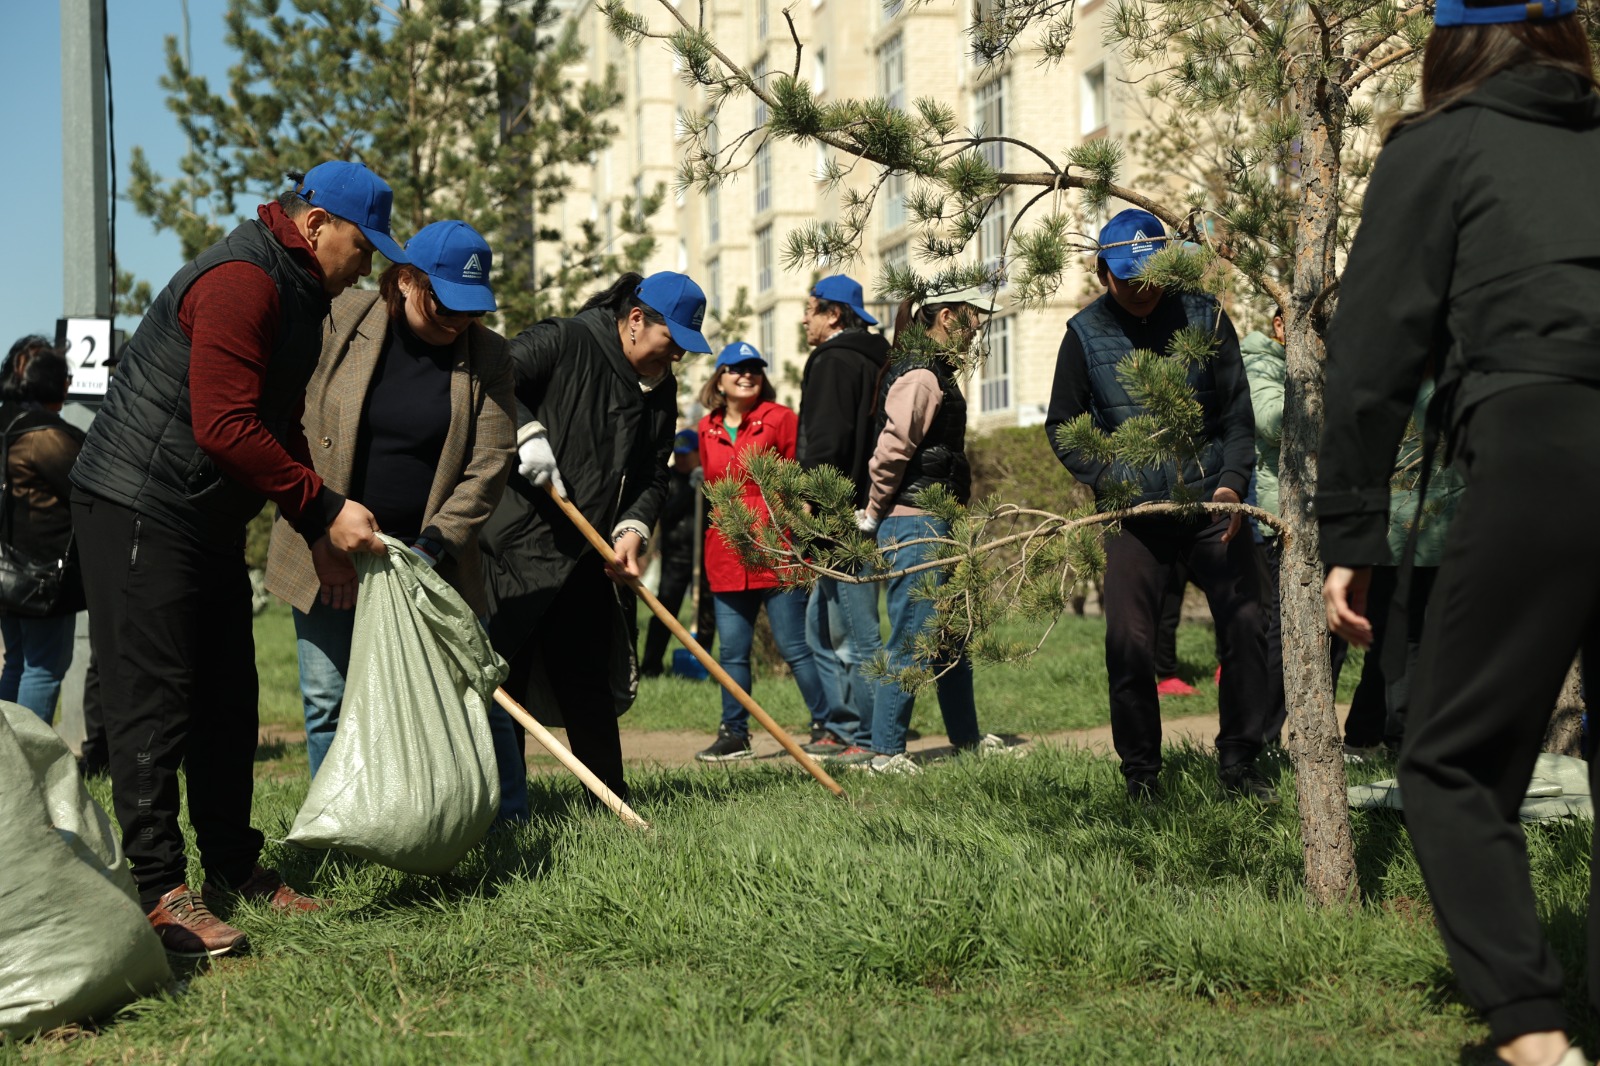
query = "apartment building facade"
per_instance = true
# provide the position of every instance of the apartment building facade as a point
(733, 237)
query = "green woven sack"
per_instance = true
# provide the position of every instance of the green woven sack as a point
(410, 780)
(74, 944)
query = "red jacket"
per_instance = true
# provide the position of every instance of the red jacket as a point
(771, 427)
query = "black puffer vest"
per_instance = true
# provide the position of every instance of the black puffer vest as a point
(941, 458)
(141, 452)
(1105, 346)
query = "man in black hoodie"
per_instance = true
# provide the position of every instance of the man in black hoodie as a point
(836, 393)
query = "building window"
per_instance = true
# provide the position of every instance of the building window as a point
(989, 120)
(714, 285)
(896, 257)
(767, 334)
(683, 257)
(764, 177)
(764, 259)
(763, 20)
(994, 390)
(713, 215)
(819, 71)
(891, 8)
(1094, 99)
(758, 74)
(992, 236)
(821, 170)
(894, 202)
(892, 71)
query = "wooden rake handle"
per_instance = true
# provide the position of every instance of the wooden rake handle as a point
(569, 760)
(670, 620)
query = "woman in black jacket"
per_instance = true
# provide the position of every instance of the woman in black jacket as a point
(41, 449)
(596, 408)
(1478, 258)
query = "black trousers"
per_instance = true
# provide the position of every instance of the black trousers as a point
(1272, 618)
(677, 571)
(1166, 659)
(171, 626)
(572, 641)
(1379, 707)
(1139, 562)
(93, 758)
(1514, 601)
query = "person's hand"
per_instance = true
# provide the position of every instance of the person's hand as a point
(537, 462)
(336, 574)
(1344, 595)
(865, 522)
(1236, 519)
(629, 550)
(355, 530)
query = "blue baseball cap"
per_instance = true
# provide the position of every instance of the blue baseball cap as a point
(352, 192)
(1129, 239)
(686, 441)
(738, 352)
(1458, 13)
(681, 302)
(456, 260)
(843, 289)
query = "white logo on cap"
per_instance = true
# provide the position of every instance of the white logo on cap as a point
(474, 269)
(1141, 248)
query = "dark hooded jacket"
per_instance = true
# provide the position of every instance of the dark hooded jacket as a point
(836, 393)
(611, 439)
(1478, 258)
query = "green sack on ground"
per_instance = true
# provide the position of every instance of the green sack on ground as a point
(74, 944)
(1559, 789)
(410, 780)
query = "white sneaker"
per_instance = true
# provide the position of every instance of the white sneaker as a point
(894, 764)
(991, 746)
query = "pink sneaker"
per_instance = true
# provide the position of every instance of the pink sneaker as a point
(1219, 675)
(1174, 686)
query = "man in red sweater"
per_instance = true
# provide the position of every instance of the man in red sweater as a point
(200, 428)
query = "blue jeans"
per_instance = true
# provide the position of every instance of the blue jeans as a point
(842, 629)
(323, 645)
(38, 652)
(736, 626)
(908, 616)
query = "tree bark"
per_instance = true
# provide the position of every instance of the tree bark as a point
(1313, 728)
(1565, 735)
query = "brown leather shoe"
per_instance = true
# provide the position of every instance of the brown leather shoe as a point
(262, 886)
(186, 926)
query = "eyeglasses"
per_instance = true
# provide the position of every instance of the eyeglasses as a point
(444, 312)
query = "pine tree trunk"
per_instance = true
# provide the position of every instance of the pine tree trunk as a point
(1565, 734)
(1313, 728)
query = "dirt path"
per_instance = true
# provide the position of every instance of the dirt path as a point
(677, 747)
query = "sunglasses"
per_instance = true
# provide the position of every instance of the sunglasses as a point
(754, 370)
(442, 311)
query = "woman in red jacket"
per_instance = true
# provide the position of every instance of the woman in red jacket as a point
(744, 417)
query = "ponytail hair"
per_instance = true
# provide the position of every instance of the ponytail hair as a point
(43, 380)
(620, 298)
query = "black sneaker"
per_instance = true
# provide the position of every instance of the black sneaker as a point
(1145, 791)
(727, 747)
(1247, 782)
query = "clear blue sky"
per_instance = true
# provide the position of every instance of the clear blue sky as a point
(31, 283)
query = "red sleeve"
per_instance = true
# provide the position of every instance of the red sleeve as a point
(788, 434)
(231, 317)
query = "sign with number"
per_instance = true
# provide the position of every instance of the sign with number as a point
(87, 344)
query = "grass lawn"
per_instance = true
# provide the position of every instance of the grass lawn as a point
(985, 911)
(1063, 687)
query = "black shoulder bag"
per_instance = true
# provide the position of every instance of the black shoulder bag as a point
(32, 587)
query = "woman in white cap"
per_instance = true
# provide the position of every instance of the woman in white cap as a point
(743, 417)
(409, 413)
(1478, 259)
(920, 430)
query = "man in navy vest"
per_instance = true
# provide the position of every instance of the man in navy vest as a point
(1128, 317)
(200, 429)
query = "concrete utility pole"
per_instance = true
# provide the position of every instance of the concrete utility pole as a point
(86, 238)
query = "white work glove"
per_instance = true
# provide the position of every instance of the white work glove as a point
(537, 463)
(866, 523)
